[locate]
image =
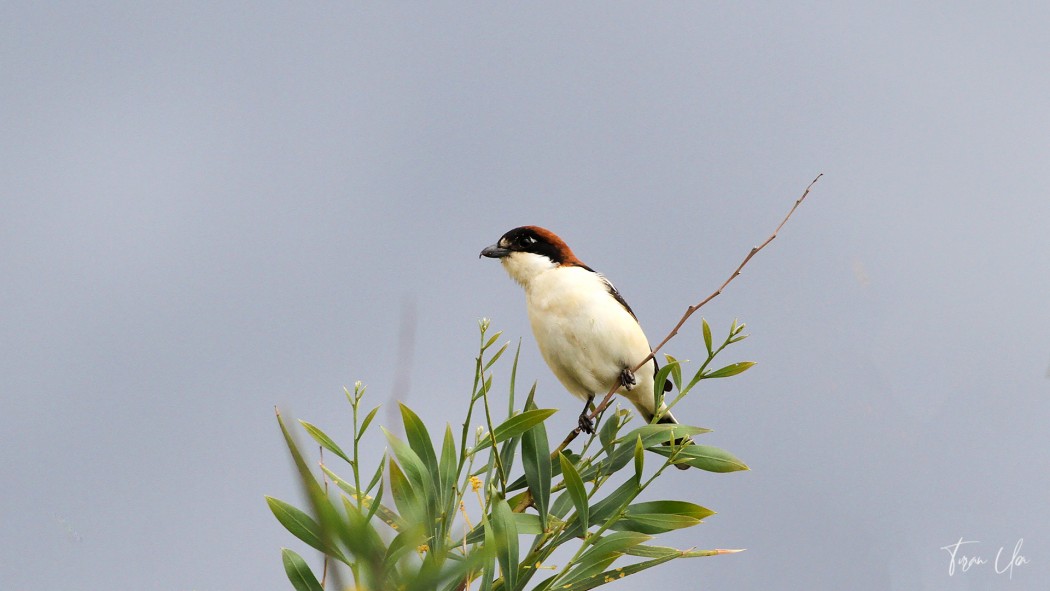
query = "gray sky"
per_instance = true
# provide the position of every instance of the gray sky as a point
(212, 209)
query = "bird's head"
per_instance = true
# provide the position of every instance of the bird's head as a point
(530, 250)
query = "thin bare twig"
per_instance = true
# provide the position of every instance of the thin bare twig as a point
(689, 312)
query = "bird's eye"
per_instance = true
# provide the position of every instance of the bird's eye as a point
(528, 241)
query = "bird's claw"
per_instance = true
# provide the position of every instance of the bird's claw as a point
(627, 378)
(586, 424)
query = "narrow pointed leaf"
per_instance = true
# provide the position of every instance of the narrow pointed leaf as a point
(506, 535)
(372, 504)
(607, 510)
(419, 440)
(489, 550)
(707, 336)
(525, 523)
(377, 476)
(495, 357)
(513, 382)
(660, 380)
(615, 574)
(644, 551)
(705, 457)
(324, 440)
(607, 434)
(516, 425)
(327, 515)
(508, 452)
(617, 542)
(491, 340)
(676, 371)
(656, 517)
(611, 506)
(411, 463)
(600, 555)
(298, 572)
(577, 493)
(730, 370)
(302, 526)
(536, 459)
(368, 421)
(588, 569)
(447, 469)
(653, 435)
(639, 457)
(405, 500)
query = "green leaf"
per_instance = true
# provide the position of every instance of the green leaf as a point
(562, 503)
(374, 504)
(676, 373)
(610, 465)
(377, 476)
(704, 457)
(514, 381)
(615, 574)
(489, 551)
(491, 340)
(324, 440)
(506, 536)
(656, 517)
(610, 507)
(730, 370)
(589, 569)
(405, 499)
(508, 452)
(302, 526)
(298, 572)
(707, 337)
(403, 543)
(610, 546)
(447, 470)
(516, 425)
(660, 434)
(644, 551)
(495, 357)
(411, 463)
(639, 458)
(368, 421)
(577, 493)
(526, 524)
(607, 434)
(536, 459)
(329, 518)
(605, 511)
(419, 441)
(660, 380)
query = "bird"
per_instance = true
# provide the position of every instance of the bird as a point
(586, 332)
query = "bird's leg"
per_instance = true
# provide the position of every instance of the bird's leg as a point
(586, 425)
(627, 378)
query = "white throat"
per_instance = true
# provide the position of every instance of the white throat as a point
(524, 267)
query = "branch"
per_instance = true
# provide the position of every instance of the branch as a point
(689, 312)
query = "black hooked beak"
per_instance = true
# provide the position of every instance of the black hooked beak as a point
(494, 252)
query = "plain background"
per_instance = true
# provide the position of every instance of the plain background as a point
(211, 209)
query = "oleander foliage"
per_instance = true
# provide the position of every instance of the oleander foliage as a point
(486, 508)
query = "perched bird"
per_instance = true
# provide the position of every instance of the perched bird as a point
(588, 335)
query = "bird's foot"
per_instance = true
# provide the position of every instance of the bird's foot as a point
(627, 378)
(586, 424)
